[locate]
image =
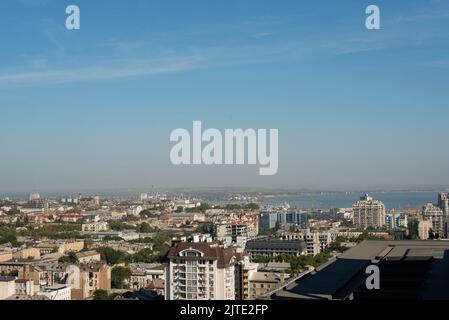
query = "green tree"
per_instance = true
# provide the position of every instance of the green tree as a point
(233, 207)
(147, 213)
(101, 294)
(112, 256)
(118, 277)
(13, 273)
(413, 229)
(119, 226)
(201, 208)
(69, 258)
(145, 228)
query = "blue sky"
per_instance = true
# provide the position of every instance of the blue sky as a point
(93, 108)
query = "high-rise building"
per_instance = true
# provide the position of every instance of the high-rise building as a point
(270, 219)
(34, 196)
(143, 196)
(234, 232)
(368, 213)
(443, 203)
(395, 220)
(200, 271)
(434, 214)
(424, 227)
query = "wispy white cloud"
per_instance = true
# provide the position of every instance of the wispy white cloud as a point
(111, 71)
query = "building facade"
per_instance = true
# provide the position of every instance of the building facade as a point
(368, 213)
(200, 271)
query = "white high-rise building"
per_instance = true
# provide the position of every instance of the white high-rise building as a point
(443, 203)
(368, 213)
(34, 196)
(436, 216)
(200, 271)
(143, 196)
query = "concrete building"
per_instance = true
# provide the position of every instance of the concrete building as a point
(24, 287)
(316, 241)
(395, 220)
(34, 196)
(60, 246)
(244, 269)
(436, 216)
(200, 271)
(410, 269)
(235, 233)
(95, 227)
(88, 256)
(7, 287)
(424, 227)
(27, 253)
(272, 247)
(368, 213)
(85, 279)
(56, 292)
(144, 275)
(443, 203)
(284, 219)
(260, 283)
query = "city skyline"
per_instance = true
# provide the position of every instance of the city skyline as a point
(93, 109)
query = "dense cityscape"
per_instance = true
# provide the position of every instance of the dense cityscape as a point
(156, 246)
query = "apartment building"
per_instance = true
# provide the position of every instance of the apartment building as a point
(269, 247)
(95, 226)
(235, 232)
(316, 241)
(368, 213)
(59, 246)
(271, 219)
(424, 227)
(436, 216)
(200, 271)
(243, 270)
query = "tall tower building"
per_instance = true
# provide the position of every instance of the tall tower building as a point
(369, 213)
(443, 203)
